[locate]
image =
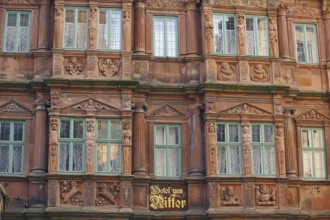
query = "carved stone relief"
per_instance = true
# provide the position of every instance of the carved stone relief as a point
(190, 4)
(126, 16)
(74, 66)
(90, 139)
(13, 107)
(213, 194)
(90, 104)
(248, 194)
(259, 73)
(211, 70)
(92, 65)
(244, 108)
(70, 193)
(209, 32)
(57, 64)
(92, 27)
(126, 102)
(265, 195)
(109, 67)
(229, 197)
(283, 75)
(164, 3)
(211, 136)
(209, 106)
(273, 36)
(303, 11)
(107, 194)
(243, 3)
(58, 26)
(19, 1)
(167, 111)
(283, 195)
(226, 72)
(241, 33)
(280, 148)
(53, 143)
(127, 193)
(127, 133)
(313, 115)
(246, 145)
(127, 68)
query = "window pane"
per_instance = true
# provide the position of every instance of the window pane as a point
(115, 158)
(230, 35)
(82, 29)
(78, 127)
(64, 158)
(269, 160)
(221, 137)
(173, 135)
(233, 133)
(5, 131)
(251, 42)
(11, 32)
(116, 130)
(69, 29)
(23, 33)
(319, 164)
(173, 162)
(77, 157)
(222, 160)
(102, 129)
(159, 37)
(305, 139)
(262, 37)
(308, 164)
(300, 44)
(160, 162)
(218, 34)
(171, 37)
(18, 131)
(317, 138)
(102, 164)
(234, 159)
(160, 135)
(257, 161)
(17, 159)
(255, 133)
(4, 159)
(103, 31)
(115, 30)
(311, 44)
(269, 133)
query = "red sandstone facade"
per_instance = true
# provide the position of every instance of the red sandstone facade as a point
(194, 90)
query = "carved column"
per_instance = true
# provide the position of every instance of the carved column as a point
(246, 146)
(58, 26)
(191, 23)
(280, 151)
(127, 147)
(326, 17)
(210, 128)
(139, 148)
(273, 36)
(283, 32)
(43, 32)
(53, 145)
(290, 143)
(208, 31)
(127, 27)
(90, 141)
(139, 29)
(195, 150)
(92, 22)
(241, 33)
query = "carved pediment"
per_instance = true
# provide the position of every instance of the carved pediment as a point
(245, 108)
(13, 107)
(312, 115)
(92, 104)
(167, 110)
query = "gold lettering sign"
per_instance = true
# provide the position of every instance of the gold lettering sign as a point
(168, 197)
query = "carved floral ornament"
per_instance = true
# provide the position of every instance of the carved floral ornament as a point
(74, 66)
(70, 193)
(245, 108)
(90, 104)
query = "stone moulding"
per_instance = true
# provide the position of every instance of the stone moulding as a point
(312, 115)
(92, 104)
(165, 3)
(13, 107)
(245, 3)
(245, 108)
(303, 12)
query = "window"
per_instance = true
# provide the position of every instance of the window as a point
(225, 34)
(167, 158)
(109, 29)
(257, 36)
(108, 145)
(11, 147)
(306, 43)
(313, 151)
(17, 31)
(166, 36)
(71, 145)
(228, 148)
(75, 28)
(263, 149)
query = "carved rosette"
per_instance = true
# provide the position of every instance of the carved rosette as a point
(208, 28)
(92, 27)
(226, 72)
(107, 194)
(211, 138)
(74, 66)
(280, 149)
(109, 67)
(246, 145)
(53, 143)
(90, 139)
(213, 194)
(70, 192)
(126, 193)
(265, 195)
(273, 36)
(259, 73)
(241, 33)
(58, 26)
(229, 196)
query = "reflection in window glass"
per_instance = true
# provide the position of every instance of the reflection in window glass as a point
(306, 43)
(224, 34)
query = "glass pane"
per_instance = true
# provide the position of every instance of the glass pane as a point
(173, 169)
(269, 133)
(319, 164)
(103, 31)
(4, 159)
(69, 29)
(257, 162)
(262, 37)
(115, 30)
(159, 41)
(269, 160)
(171, 28)
(221, 136)
(160, 162)
(18, 131)
(115, 162)
(17, 159)
(11, 32)
(300, 44)
(234, 160)
(218, 34)
(64, 158)
(230, 35)
(102, 129)
(23, 33)
(251, 42)
(82, 29)
(78, 127)
(317, 138)
(77, 157)
(173, 135)
(233, 133)
(5, 131)
(255, 133)
(305, 139)
(115, 130)
(160, 135)
(102, 164)
(311, 44)
(308, 163)
(222, 160)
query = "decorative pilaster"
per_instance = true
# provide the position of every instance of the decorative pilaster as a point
(246, 145)
(53, 144)
(92, 22)
(127, 147)
(90, 145)
(290, 143)
(191, 27)
(58, 26)
(241, 33)
(211, 148)
(326, 18)
(139, 148)
(208, 32)
(127, 26)
(283, 32)
(280, 151)
(140, 36)
(43, 32)
(273, 36)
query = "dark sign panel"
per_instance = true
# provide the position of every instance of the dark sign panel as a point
(168, 197)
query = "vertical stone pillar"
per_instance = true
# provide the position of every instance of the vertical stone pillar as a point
(290, 143)
(139, 26)
(246, 145)
(43, 32)
(196, 167)
(241, 33)
(283, 32)
(191, 23)
(92, 27)
(280, 151)
(127, 27)
(139, 147)
(90, 142)
(58, 26)
(273, 36)
(208, 31)
(211, 150)
(299, 144)
(326, 18)
(127, 147)
(327, 147)
(53, 144)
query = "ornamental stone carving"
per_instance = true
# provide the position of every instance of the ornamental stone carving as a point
(244, 70)
(241, 33)
(313, 116)
(209, 33)
(244, 108)
(18, 1)
(243, 3)
(265, 195)
(13, 107)
(273, 37)
(58, 26)
(70, 193)
(126, 16)
(168, 111)
(90, 104)
(74, 66)
(90, 139)
(283, 75)
(127, 134)
(211, 70)
(226, 72)
(228, 197)
(259, 73)
(107, 194)
(164, 3)
(53, 143)
(89, 193)
(211, 133)
(246, 145)
(126, 102)
(190, 4)
(303, 12)
(280, 149)
(109, 67)
(92, 27)
(127, 193)
(213, 192)
(52, 192)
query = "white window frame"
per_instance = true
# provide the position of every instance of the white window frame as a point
(306, 49)
(256, 38)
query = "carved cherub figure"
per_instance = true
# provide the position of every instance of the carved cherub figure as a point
(229, 198)
(127, 133)
(259, 73)
(265, 195)
(226, 72)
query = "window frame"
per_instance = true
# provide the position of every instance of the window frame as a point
(255, 31)
(168, 146)
(110, 10)
(76, 9)
(304, 25)
(313, 149)
(223, 32)
(263, 145)
(165, 18)
(18, 13)
(10, 144)
(70, 142)
(108, 141)
(228, 145)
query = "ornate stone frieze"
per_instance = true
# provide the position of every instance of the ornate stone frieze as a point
(13, 107)
(19, 1)
(164, 3)
(303, 11)
(167, 111)
(109, 67)
(265, 195)
(70, 193)
(208, 24)
(259, 73)
(229, 198)
(244, 108)
(107, 194)
(74, 66)
(92, 27)
(90, 104)
(313, 116)
(226, 72)
(243, 3)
